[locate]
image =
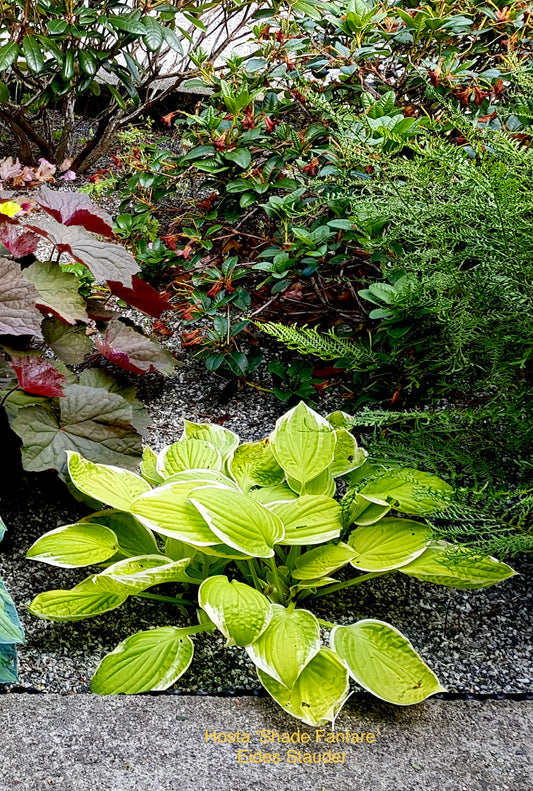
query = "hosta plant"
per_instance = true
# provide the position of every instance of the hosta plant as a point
(257, 527)
(11, 631)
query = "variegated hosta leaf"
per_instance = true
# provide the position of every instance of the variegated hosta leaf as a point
(364, 509)
(273, 494)
(414, 491)
(253, 464)
(134, 539)
(71, 546)
(287, 645)
(465, 573)
(303, 443)
(224, 440)
(347, 455)
(238, 521)
(239, 611)
(146, 661)
(106, 484)
(388, 544)
(149, 467)
(134, 575)
(323, 484)
(167, 510)
(318, 694)
(188, 454)
(310, 519)
(384, 662)
(322, 561)
(201, 477)
(83, 601)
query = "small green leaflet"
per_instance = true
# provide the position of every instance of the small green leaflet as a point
(466, 573)
(388, 544)
(310, 519)
(146, 661)
(240, 612)
(384, 662)
(106, 484)
(324, 560)
(303, 443)
(72, 546)
(187, 454)
(287, 645)
(318, 694)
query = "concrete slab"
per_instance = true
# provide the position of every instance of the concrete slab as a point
(77, 743)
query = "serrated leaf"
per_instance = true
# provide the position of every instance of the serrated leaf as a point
(311, 519)
(388, 544)
(303, 443)
(83, 601)
(322, 561)
(318, 694)
(287, 645)
(146, 661)
(253, 464)
(239, 611)
(58, 291)
(142, 296)
(188, 454)
(69, 343)
(238, 521)
(75, 208)
(38, 376)
(75, 545)
(18, 314)
(465, 573)
(105, 261)
(384, 662)
(415, 492)
(133, 538)
(221, 438)
(107, 484)
(90, 421)
(133, 351)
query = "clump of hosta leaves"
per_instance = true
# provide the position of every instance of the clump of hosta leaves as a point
(257, 527)
(59, 306)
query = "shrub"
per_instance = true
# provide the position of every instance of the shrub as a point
(258, 528)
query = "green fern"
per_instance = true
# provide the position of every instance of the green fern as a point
(324, 345)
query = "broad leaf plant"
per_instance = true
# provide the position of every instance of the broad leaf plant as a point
(257, 527)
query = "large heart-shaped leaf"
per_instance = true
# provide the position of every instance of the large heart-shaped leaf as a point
(415, 492)
(133, 538)
(310, 519)
(224, 440)
(239, 611)
(287, 645)
(86, 600)
(19, 244)
(38, 376)
(318, 694)
(146, 661)
(253, 464)
(18, 314)
(303, 443)
(384, 662)
(238, 520)
(134, 575)
(89, 420)
(58, 291)
(465, 573)
(388, 544)
(322, 560)
(72, 546)
(75, 208)
(106, 261)
(106, 484)
(133, 351)
(188, 454)
(70, 344)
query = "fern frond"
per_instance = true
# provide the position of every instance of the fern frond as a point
(325, 345)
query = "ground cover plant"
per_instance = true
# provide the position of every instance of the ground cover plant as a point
(58, 305)
(259, 530)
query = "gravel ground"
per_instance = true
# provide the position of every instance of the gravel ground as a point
(477, 642)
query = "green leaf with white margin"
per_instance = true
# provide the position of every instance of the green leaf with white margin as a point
(322, 484)
(322, 560)
(240, 612)
(273, 494)
(309, 520)
(188, 454)
(72, 546)
(239, 521)
(347, 455)
(341, 419)
(85, 600)
(303, 443)
(167, 511)
(384, 662)
(253, 464)
(134, 539)
(363, 509)
(464, 573)
(145, 662)
(106, 484)
(388, 544)
(415, 492)
(318, 694)
(133, 575)
(224, 440)
(149, 467)
(203, 476)
(287, 645)
(178, 550)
